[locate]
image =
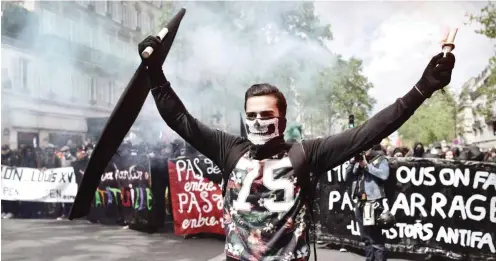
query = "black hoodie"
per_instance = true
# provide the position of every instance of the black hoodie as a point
(418, 150)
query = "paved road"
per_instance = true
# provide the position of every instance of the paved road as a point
(51, 240)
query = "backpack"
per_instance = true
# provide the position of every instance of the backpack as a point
(308, 184)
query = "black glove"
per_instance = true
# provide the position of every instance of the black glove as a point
(155, 61)
(437, 74)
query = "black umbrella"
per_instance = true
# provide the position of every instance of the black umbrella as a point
(119, 123)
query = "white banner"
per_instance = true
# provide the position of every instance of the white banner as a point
(28, 184)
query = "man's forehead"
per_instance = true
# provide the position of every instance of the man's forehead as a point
(254, 110)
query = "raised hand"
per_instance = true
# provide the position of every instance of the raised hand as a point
(437, 74)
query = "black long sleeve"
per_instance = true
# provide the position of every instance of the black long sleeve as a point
(214, 144)
(325, 153)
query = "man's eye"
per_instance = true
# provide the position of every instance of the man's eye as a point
(266, 114)
(251, 115)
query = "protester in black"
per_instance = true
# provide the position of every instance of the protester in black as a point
(10, 208)
(265, 216)
(418, 150)
(29, 159)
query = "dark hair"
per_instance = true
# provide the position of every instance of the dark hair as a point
(265, 89)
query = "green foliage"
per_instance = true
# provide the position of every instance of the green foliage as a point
(294, 132)
(303, 22)
(487, 19)
(341, 90)
(433, 121)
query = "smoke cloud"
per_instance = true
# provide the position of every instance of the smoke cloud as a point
(223, 56)
(221, 49)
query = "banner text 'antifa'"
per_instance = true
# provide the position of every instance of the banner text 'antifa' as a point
(477, 206)
(117, 188)
(198, 194)
(138, 197)
(35, 175)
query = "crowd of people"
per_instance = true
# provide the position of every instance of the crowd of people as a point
(55, 157)
(28, 156)
(441, 150)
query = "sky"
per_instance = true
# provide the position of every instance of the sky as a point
(396, 40)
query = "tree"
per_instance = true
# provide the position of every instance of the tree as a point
(487, 19)
(341, 90)
(302, 22)
(433, 121)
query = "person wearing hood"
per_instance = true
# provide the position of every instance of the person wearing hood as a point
(418, 150)
(29, 159)
(368, 174)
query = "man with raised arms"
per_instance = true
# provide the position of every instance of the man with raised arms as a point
(266, 215)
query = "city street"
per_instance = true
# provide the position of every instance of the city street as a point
(51, 240)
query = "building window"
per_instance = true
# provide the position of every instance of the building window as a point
(23, 72)
(111, 86)
(125, 18)
(72, 30)
(138, 16)
(93, 92)
(47, 80)
(117, 16)
(65, 84)
(100, 7)
(95, 37)
(132, 17)
(108, 8)
(74, 86)
(65, 26)
(123, 13)
(100, 91)
(6, 82)
(49, 22)
(152, 21)
(118, 91)
(83, 2)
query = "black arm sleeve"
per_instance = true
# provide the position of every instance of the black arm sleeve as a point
(214, 144)
(325, 153)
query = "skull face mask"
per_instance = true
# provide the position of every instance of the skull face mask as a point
(262, 130)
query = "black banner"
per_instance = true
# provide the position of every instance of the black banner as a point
(442, 208)
(124, 195)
